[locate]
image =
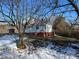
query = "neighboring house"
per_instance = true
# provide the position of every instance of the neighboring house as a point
(6, 28)
(76, 27)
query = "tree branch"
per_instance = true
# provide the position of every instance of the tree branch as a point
(57, 7)
(75, 6)
(64, 11)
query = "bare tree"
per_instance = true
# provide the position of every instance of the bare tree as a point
(16, 13)
(63, 7)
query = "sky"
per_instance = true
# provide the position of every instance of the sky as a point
(68, 15)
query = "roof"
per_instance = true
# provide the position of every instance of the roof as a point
(3, 23)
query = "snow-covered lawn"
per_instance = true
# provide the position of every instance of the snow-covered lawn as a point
(8, 50)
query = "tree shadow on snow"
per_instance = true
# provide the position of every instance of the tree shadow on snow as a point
(66, 49)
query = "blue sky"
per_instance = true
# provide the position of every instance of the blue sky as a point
(67, 15)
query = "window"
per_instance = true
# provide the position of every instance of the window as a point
(37, 27)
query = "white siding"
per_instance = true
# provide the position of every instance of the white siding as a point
(46, 28)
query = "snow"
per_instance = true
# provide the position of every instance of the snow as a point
(8, 50)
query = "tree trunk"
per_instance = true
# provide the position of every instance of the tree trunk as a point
(21, 44)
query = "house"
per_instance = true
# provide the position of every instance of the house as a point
(42, 28)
